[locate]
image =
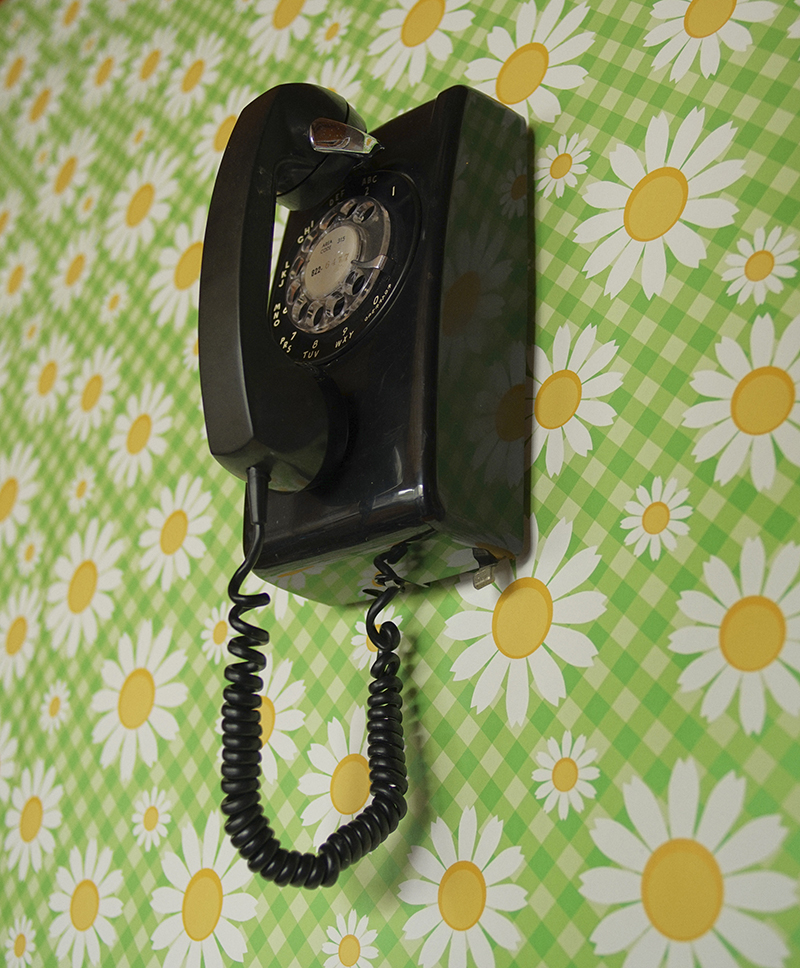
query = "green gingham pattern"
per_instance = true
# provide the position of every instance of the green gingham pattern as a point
(627, 703)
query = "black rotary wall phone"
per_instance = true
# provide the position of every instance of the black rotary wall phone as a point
(358, 387)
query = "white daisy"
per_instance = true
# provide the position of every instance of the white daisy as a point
(16, 275)
(42, 101)
(351, 943)
(89, 45)
(115, 303)
(565, 394)
(203, 901)
(760, 266)
(139, 137)
(341, 77)
(80, 595)
(8, 750)
(81, 489)
(19, 631)
(16, 68)
(747, 636)
(47, 379)
(657, 201)
(342, 787)
(513, 189)
(42, 158)
(684, 882)
(55, 707)
(565, 774)
(295, 580)
(278, 718)
(150, 818)
(106, 67)
(756, 405)
(118, 8)
(522, 71)
(277, 23)
(134, 705)
(149, 63)
(689, 27)
(525, 619)
(66, 174)
(92, 392)
(333, 30)
(177, 282)
(500, 424)
(84, 904)
(191, 352)
(364, 652)
(560, 166)
(87, 203)
(410, 32)
(18, 485)
(657, 516)
(32, 816)
(140, 205)
(10, 209)
(174, 533)
(462, 892)
(70, 14)
(195, 74)
(29, 552)
(214, 134)
(5, 363)
(73, 269)
(20, 943)
(138, 434)
(216, 633)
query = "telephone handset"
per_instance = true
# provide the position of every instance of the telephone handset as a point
(357, 391)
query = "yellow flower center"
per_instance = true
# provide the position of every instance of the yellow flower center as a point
(65, 175)
(522, 73)
(75, 269)
(15, 279)
(15, 637)
(762, 400)
(349, 950)
(192, 77)
(561, 165)
(682, 889)
(706, 17)
(565, 774)
(104, 72)
(220, 632)
(80, 490)
(39, 106)
(8, 497)
(519, 187)
(150, 818)
(421, 22)
(140, 205)
(509, 419)
(286, 12)
(5, 218)
(113, 302)
(84, 906)
(139, 434)
(370, 646)
(30, 551)
(139, 136)
(14, 72)
(460, 302)
(136, 698)
(655, 204)
(202, 904)
(752, 633)
(462, 895)
(655, 517)
(759, 265)
(71, 13)
(187, 271)
(47, 378)
(223, 134)
(350, 784)
(55, 707)
(522, 618)
(332, 31)
(267, 714)
(82, 587)
(30, 819)
(19, 945)
(174, 532)
(149, 65)
(558, 399)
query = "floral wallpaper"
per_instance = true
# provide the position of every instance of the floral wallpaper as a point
(602, 743)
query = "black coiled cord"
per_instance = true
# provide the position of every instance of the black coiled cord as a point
(247, 826)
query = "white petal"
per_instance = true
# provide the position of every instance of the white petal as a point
(649, 950)
(760, 891)
(426, 864)
(700, 608)
(719, 694)
(751, 844)
(620, 845)
(620, 929)
(443, 843)
(645, 813)
(721, 582)
(752, 703)
(626, 165)
(467, 830)
(547, 676)
(683, 798)
(752, 938)
(610, 885)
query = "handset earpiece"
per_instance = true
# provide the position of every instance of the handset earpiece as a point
(262, 409)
